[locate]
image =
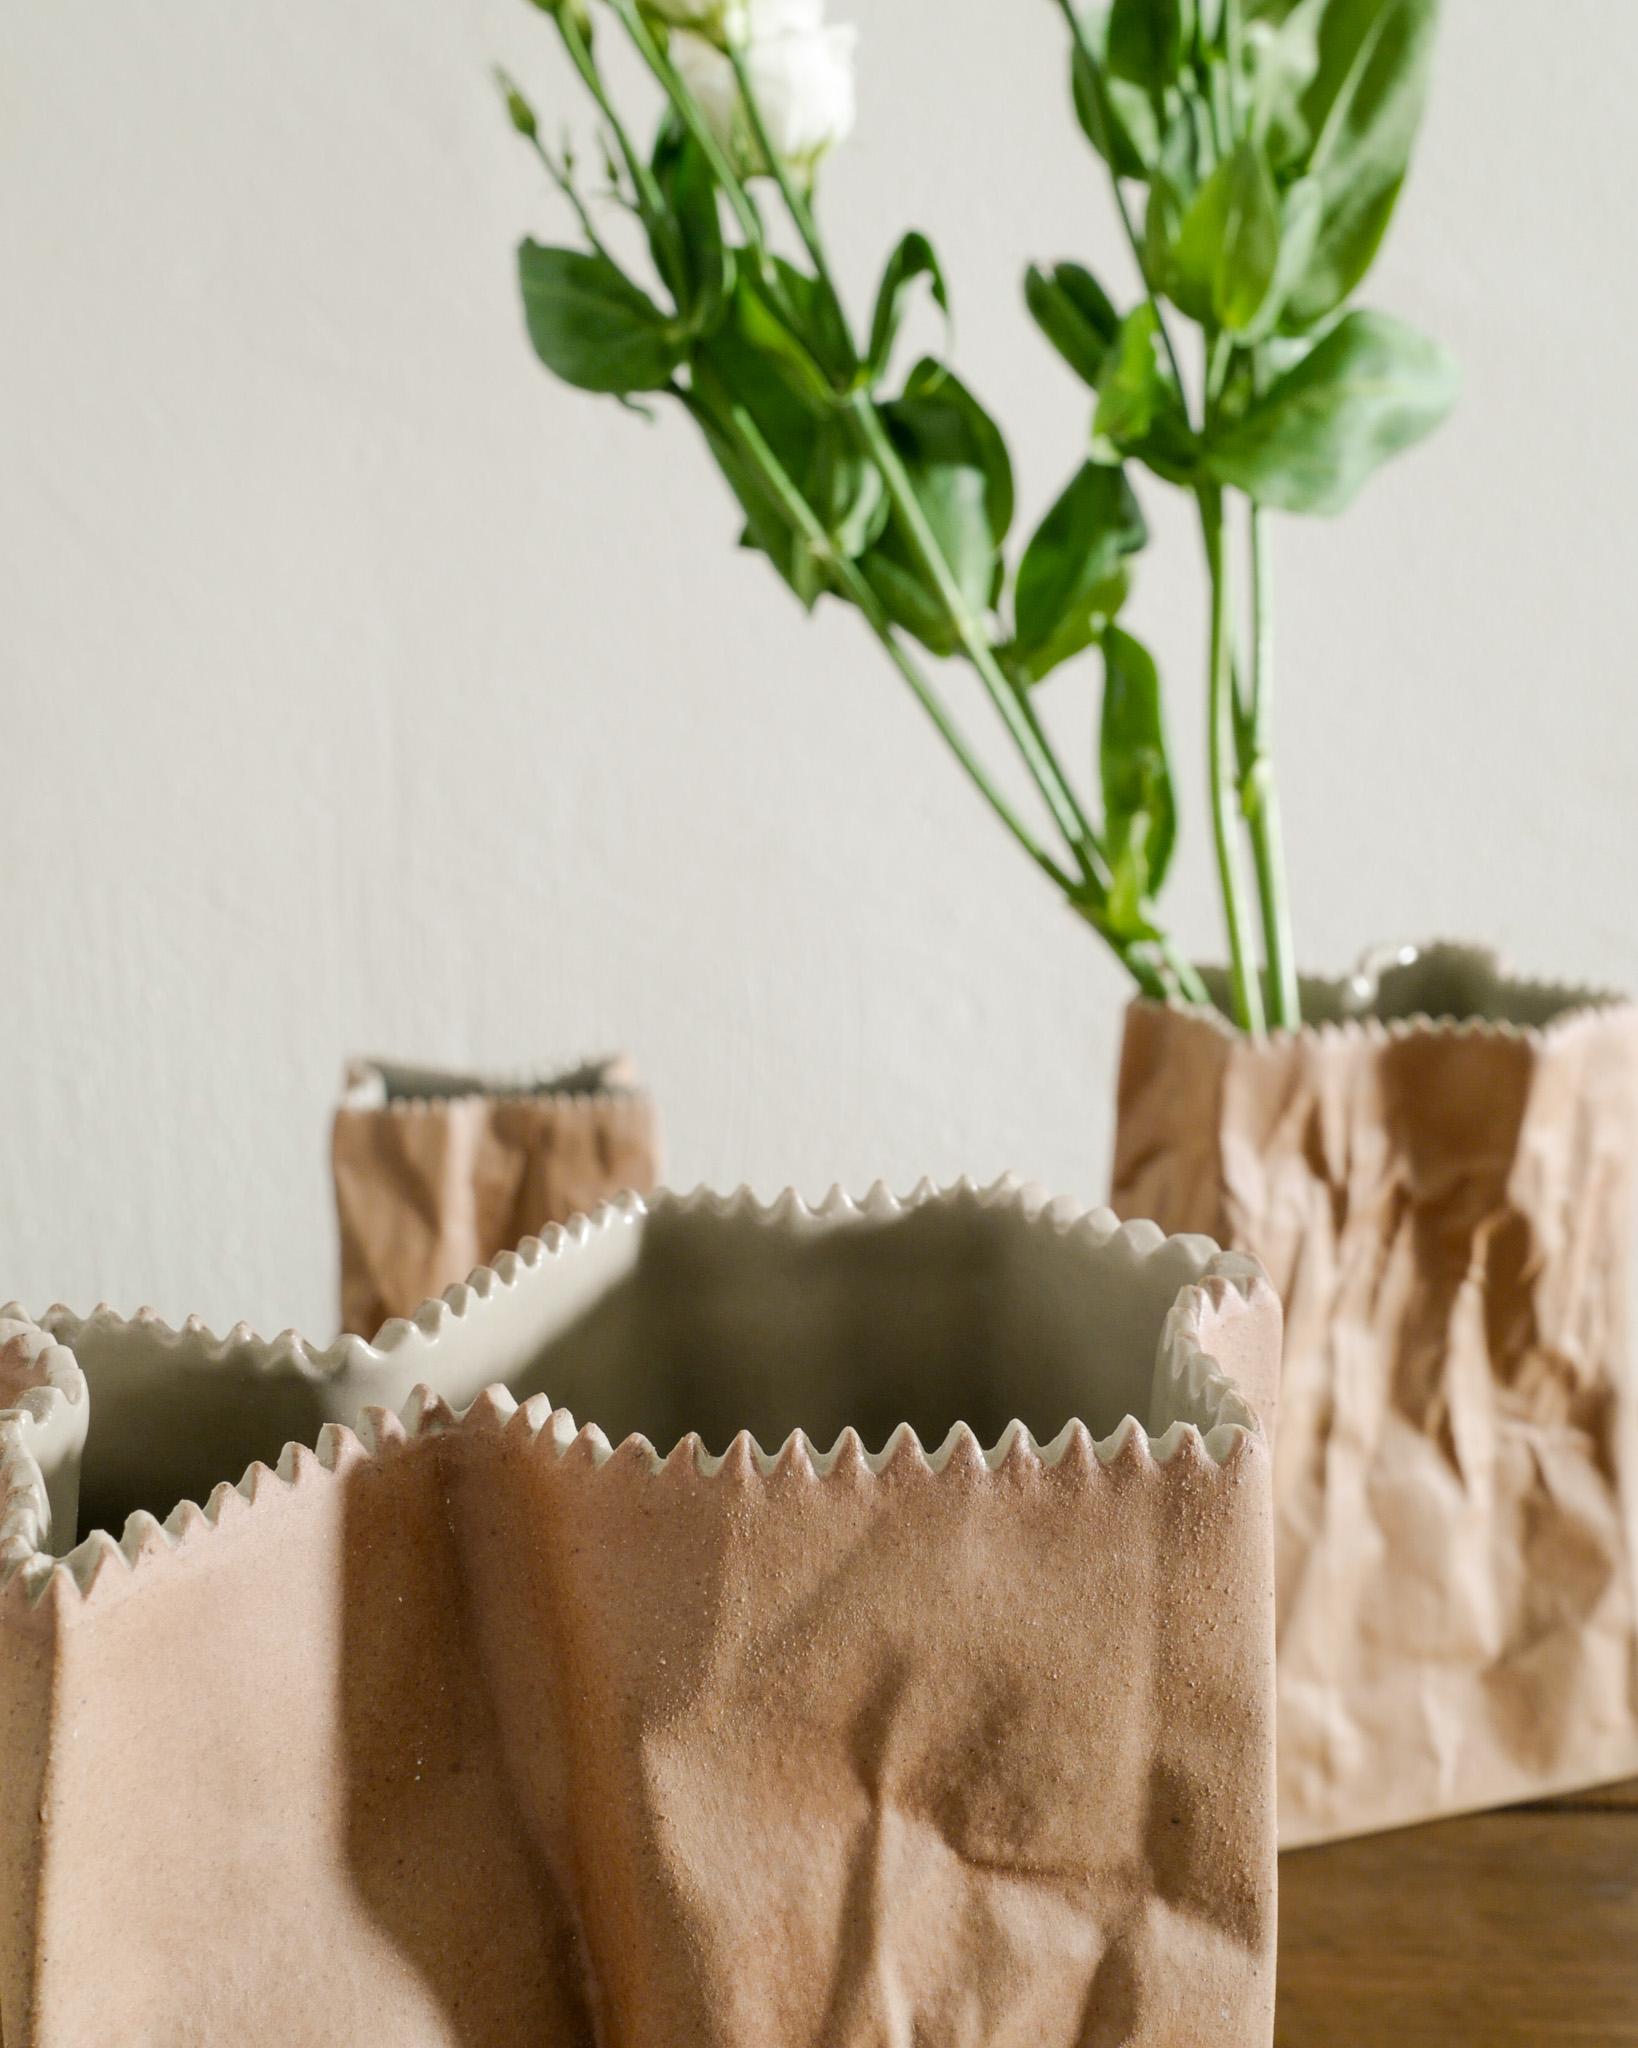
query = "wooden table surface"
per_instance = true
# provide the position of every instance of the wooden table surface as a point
(1502, 1929)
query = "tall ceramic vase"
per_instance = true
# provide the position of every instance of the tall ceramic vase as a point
(1436, 1172)
(947, 1716)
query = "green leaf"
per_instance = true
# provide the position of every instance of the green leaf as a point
(931, 392)
(819, 320)
(689, 250)
(845, 490)
(1139, 809)
(958, 467)
(1282, 47)
(794, 357)
(1363, 110)
(766, 528)
(1070, 581)
(1118, 119)
(1188, 138)
(739, 364)
(1228, 246)
(1371, 387)
(1300, 214)
(746, 362)
(1163, 218)
(1146, 42)
(591, 325)
(1249, 255)
(1140, 410)
(1075, 314)
(1134, 386)
(912, 259)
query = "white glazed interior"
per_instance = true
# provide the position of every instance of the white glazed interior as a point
(709, 1316)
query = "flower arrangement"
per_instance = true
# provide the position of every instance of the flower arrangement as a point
(1267, 141)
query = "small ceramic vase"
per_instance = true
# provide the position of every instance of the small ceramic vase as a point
(436, 1172)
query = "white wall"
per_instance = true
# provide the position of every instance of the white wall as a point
(361, 688)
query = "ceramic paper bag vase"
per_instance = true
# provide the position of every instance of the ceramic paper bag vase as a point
(1436, 1172)
(437, 1172)
(770, 1703)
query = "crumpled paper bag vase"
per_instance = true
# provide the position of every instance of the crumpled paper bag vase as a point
(438, 1172)
(1437, 1175)
(887, 1658)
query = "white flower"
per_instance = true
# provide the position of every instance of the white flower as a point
(801, 75)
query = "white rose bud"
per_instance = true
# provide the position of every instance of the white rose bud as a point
(801, 74)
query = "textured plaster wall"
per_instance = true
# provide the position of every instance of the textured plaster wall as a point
(359, 688)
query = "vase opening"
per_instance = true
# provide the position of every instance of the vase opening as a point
(1441, 983)
(953, 1312)
(698, 1318)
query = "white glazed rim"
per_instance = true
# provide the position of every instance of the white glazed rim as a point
(1577, 1007)
(366, 1088)
(54, 1408)
(1222, 1423)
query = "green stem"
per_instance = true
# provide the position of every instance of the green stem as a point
(1259, 796)
(776, 479)
(1219, 361)
(1026, 704)
(744, 206)
(1261, 805)
(1083, 43)
(1190, 986)
(565, 184)
(1016, 708)
(1036, 754)
(1017, 715)
(580, 54)
(1246, 989)
(796, 204)
(1018, 718)
(1260, 713)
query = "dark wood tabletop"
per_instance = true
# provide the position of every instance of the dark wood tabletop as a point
(1503, 1929)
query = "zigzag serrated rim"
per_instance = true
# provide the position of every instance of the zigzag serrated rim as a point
(57, 1388)
(1212, 1445)
(1580, 1007)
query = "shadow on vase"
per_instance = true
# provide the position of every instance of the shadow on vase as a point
(434, 1842)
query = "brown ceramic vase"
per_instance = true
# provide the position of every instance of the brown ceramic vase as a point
(888, 1656)
(1436, 1172)
(436, 1172)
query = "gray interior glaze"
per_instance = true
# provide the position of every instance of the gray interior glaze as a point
(686, 1320)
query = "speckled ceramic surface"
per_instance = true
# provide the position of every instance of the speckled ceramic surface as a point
(1437, 1174)
(886, 1655)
